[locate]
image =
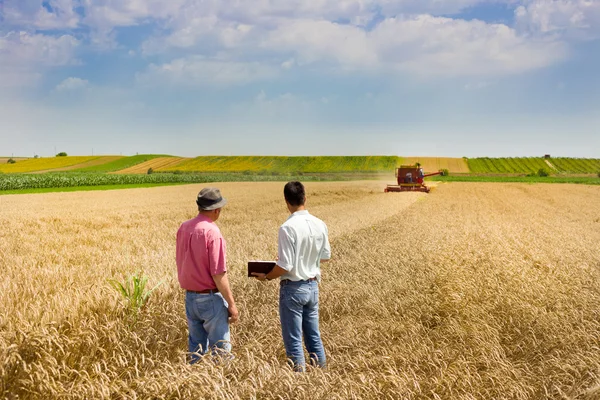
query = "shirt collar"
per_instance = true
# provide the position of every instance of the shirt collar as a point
(301, 212)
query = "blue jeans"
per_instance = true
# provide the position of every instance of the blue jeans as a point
(208, 326)
(299, 315)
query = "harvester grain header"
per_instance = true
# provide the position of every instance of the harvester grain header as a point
(410, 179)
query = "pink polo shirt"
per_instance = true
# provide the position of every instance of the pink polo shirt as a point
(200, 254)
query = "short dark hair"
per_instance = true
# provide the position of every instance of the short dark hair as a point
(294, 193)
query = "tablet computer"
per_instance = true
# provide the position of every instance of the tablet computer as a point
(264, 267)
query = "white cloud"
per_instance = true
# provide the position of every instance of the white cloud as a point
(424, 45)
(24, 56)
(72, 83)
(200, 71)
(579, 18)
(59, 14)
(312, 41)
(102, 16)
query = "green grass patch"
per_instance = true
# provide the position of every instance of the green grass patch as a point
(123, 163)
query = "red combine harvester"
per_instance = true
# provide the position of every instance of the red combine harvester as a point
(410, 179)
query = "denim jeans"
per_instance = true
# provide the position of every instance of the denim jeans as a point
(208, 325)
(299, 315)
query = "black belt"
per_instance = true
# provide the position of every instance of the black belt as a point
(286, 281)
(211, 291)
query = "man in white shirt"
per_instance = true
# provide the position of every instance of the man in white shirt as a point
(303, 245)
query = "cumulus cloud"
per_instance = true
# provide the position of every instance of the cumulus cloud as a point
(72, 83)
(578, 18)
(200, 71)
(228, 42)
(423, 44)
(44, 15)
(103, 16)
(23, 56)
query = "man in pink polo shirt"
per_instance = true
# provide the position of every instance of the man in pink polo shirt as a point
(202, 272)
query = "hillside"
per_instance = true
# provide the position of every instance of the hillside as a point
(325, 164)
(45, 164)
(433, 164)
(526, 165)
(156, 164)
(122, 163)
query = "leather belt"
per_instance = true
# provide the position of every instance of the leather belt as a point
(286, 281)
(205, 291)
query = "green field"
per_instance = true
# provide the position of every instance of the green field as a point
(325, 164)
(123, 163)
(576, 165)
(25, 183)
(527, 165)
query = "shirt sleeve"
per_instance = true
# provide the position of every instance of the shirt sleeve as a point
(286, 251)
(326, 252)
(216, 256)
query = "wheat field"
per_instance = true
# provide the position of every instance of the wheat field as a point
(474, 291)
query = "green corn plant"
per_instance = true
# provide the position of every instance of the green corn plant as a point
(133, 290)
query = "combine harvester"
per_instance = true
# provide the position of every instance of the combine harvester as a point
(410, 179)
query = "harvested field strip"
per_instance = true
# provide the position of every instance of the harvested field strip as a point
(323, 164)
(122, 163)
(155, 164)
(464, 294)
(42, 164)
(92, 163)
(434, 164)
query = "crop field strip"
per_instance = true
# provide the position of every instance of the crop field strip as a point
(576, 165)
(39, 164)
(24, 182)
(155, 164)
(463, 293)
(122, 163)
(434, 164)
(532, 164)
(324, 164)
(92, 163)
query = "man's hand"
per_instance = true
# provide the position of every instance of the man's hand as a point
(234, 315)
(259, 275)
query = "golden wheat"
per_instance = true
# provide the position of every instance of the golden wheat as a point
(474, 291)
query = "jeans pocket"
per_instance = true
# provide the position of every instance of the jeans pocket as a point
(219, 303)
(300, 296)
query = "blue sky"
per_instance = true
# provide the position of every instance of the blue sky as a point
(289, 77)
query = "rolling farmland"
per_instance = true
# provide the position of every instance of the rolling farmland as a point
(506, 165)
(155, 164)
(576, 165)
(433, 164)
(288, 164)
(89, 164)
(462, 293)
(49, 163)
(121, 164)
(526, 165)
(4, 160)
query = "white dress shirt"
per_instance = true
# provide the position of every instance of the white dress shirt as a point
(303, 243)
